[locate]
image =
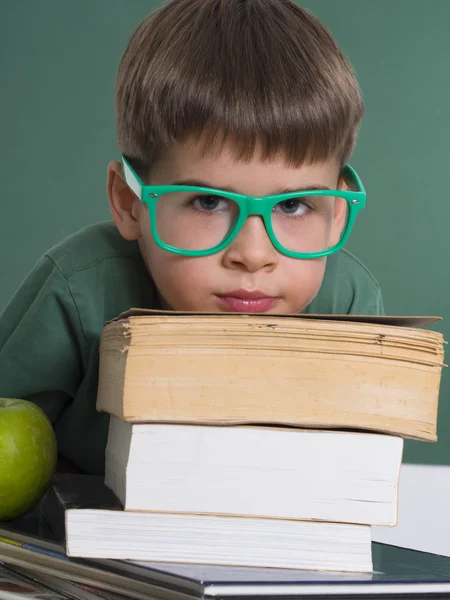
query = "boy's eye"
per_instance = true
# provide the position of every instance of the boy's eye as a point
(210, 203)
(291, 207)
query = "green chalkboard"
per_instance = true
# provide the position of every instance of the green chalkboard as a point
(58, 61)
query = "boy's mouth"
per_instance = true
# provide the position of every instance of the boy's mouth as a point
(247, 302)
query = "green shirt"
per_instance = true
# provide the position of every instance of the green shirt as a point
(50, 330)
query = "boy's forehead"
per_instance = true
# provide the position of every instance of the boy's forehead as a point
(221, 167)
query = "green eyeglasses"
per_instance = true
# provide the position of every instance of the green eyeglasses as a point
(199, 221)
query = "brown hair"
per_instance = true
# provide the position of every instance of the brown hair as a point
(263, 72)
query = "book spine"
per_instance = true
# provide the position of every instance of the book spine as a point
(53, 513)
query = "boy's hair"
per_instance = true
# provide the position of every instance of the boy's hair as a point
(253, 72)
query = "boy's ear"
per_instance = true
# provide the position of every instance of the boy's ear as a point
(342, 185)
(123, 203)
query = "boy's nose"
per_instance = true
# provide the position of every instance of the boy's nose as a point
(251, 249)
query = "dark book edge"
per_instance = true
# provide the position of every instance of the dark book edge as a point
(73, 491)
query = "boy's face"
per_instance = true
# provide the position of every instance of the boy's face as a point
(250, 275)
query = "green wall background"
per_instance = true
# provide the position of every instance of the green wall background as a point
(57, 70)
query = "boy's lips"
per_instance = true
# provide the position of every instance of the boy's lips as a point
(247, 301)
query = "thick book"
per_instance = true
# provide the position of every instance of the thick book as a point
(371, 373)
(268, 472)
(397, 573)
(109, 532)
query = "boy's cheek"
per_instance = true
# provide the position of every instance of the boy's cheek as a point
(184, 283)
(303, 281)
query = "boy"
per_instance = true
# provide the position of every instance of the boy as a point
(220, 103)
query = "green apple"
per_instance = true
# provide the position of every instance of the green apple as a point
(28, 454)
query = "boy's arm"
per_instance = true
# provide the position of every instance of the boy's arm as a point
(41, 341)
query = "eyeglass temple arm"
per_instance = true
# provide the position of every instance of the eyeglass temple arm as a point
(135, 183)
(133, 180)
(354, 177)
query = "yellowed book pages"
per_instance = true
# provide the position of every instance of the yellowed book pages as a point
(246, 369)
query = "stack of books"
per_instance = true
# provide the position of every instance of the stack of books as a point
(261, 441)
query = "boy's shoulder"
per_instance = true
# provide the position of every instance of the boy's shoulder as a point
(90, 247)
(348, 288)
(345, 261)
(96, 274)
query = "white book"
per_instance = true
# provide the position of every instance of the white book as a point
(346, 477)
(208, 539)
(84, 512)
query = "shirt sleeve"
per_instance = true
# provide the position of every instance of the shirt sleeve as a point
(370, 303)
(348, 288)
(42, 342)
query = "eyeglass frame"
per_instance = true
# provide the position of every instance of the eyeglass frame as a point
(248, 206)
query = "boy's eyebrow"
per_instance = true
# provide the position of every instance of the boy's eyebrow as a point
(205, 184)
